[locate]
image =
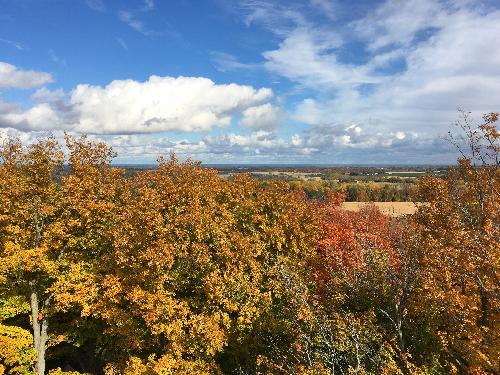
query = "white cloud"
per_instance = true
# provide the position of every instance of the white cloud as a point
(310, 112)
(303, 57)
(278, 18)
(131, 20)
(160, 104)
(340, 144)
(186, 104)
(13, 78)
(260, 146)
(265, 117)
(320, 145)
(25, 137)
(296, 140)
(227, 62)
(445, 57)
(326, 7)
(45, 95)
(39, 117)
(397, 22)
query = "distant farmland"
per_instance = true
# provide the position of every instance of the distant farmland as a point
(388, 208)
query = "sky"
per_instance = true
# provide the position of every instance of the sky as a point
(250, 81)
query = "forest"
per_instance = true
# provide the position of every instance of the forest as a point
(174, 270)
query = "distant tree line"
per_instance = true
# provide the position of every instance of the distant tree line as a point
(358, 192)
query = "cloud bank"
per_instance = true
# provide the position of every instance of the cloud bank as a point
(423, 59)
(182, 104)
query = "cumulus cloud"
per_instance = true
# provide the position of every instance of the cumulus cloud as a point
(185, 104)
(38, 117)
(45, 95)
(160, 104)
(12, 77)
(260, 146)
(327, 144)
(265, 117)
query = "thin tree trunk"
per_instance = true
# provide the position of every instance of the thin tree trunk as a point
(40, 326)
(42, 346)
(39, 321)
(399, 329)
(34, 318)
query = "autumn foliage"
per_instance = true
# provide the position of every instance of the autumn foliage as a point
(177, 271)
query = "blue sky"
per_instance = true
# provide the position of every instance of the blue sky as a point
(250, 81)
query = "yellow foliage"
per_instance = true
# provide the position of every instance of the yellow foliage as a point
(177, 262)
(17, 354)
(58, 371)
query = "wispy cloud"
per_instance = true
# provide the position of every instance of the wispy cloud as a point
(12, 43)
(97, 5)
(397, 23)
(131, 20)
(443, 56)
(278, 18)
(326, 7)
(56, 59)
(122, 43)
(149, 5)
(227, 62)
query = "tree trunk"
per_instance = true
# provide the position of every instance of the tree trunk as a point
(40, 326)
(399, 330)
(39, 321)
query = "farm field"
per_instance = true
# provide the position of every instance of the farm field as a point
(388, 208)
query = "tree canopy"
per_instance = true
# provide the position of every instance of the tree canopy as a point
(177, 271)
